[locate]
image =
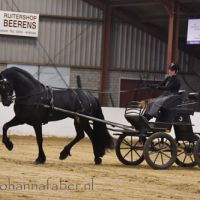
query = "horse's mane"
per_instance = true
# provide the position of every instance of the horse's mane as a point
(25, 73)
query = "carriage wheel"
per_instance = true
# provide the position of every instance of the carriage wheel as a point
(197, 152)
(129, 149)
(160, 151)
(185, 154)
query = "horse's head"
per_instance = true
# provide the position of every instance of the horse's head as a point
(6, 91)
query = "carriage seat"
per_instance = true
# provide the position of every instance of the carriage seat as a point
(141, 124)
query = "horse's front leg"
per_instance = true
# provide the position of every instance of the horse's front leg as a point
(6, 126)
(41, 156)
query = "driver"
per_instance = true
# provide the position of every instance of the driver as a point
(170, 85)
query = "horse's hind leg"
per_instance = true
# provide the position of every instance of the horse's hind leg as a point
(79, 135)
(90, 134)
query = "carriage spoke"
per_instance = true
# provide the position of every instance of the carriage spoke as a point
(153, 149)
(127, 153)
(131, 140)
(162, 158)
(181, 153)
(166, 155)
(153, 152)
(184, 159)
(181, 149)
(126, 143)
(136, 143)
(131, 155)
(131, 148)
(156, 157)
(124, 147)
(137, 153)
(191, 158)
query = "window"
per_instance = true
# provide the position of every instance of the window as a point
(52, 76)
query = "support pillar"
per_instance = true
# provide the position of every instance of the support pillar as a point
(172, 7)
(105, 55)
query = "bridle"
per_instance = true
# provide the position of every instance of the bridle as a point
(6, 91)
(7, 97)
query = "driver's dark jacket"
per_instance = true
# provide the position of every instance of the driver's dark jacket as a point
(170, 84)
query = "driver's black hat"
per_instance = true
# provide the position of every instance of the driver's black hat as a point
(174, 67)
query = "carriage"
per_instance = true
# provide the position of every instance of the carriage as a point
(152, 142)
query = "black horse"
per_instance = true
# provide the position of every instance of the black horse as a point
(31, 95)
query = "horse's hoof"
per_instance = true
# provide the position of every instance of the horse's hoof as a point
(63, 155)
(38, 162)
(98, 161)
(9, 145)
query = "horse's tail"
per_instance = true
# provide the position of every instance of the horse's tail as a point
(102, 139)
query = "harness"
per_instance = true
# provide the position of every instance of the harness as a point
(50, 99)
(46, 98)
(82, 110)
(90, 104)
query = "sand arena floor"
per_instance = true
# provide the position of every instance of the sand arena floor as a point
(78, 177)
